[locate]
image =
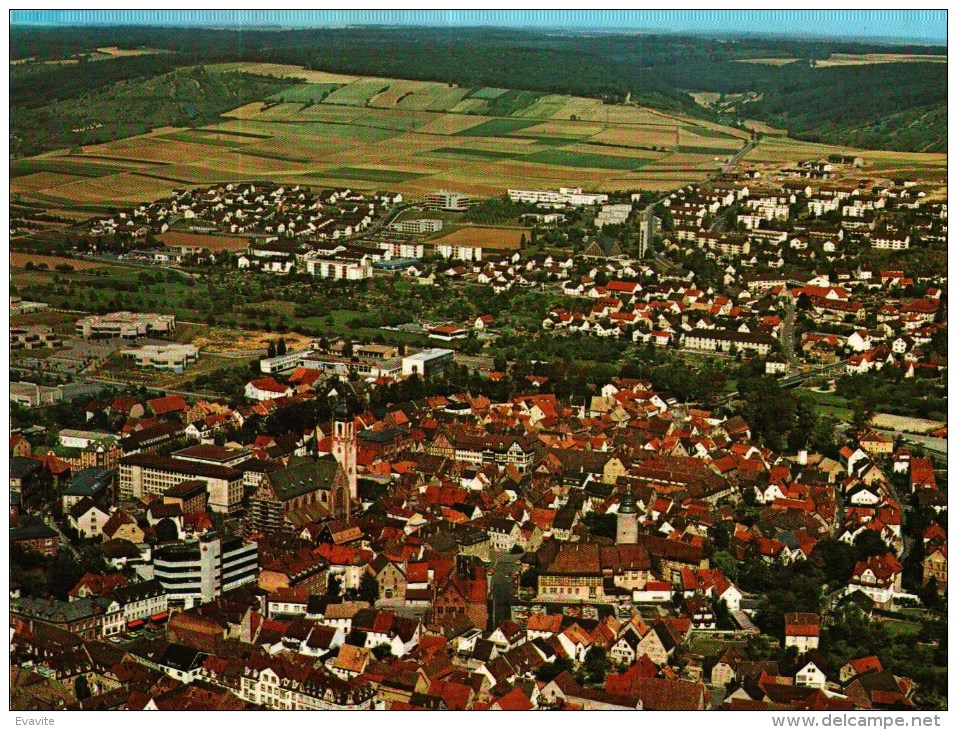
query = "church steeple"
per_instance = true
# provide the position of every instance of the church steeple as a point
(626, 532)
(344, 448)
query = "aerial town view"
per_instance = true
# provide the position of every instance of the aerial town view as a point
(486, 360)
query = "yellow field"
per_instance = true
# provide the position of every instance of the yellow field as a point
(505, 239)
(213, 243)
(769, 61)
(115, 52)
(863, 59)
(19, 260)
(283, 71)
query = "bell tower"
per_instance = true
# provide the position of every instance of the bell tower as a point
(344, 447)
(626, 532)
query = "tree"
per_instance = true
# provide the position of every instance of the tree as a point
(725, 562)
(382, 651)
(869, 544)
(82, 688)
(271, 349)
(595, 666)
(281, 346)
(368, 588)
(333, 587)
(548, 671)
(835, 559)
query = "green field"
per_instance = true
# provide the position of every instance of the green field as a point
(715, 151)
(83, 168)
(830, 404)
(357, 93)
(496, 127)
(205, 138)
(472, 154)
(486, 92)
(567, 158)
(305, 93)
(708, 132)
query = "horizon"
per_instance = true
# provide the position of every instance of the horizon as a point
(927, 27)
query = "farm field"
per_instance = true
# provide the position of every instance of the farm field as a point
(412, 137)
(213, 243)
(19, 260)
(492, 238)
(860, 59)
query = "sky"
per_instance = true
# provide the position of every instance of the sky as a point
(928, 26)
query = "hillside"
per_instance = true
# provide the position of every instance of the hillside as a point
(871, 102)
(130, 107)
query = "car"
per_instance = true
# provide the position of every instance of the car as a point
(116, 640)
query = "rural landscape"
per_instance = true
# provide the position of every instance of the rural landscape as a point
(463, 368)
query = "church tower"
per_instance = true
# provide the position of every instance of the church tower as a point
(626, 532)
(344, 449)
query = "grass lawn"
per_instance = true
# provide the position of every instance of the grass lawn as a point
(897, 627)
(829, 404)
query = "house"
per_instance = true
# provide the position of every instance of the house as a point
(87, 519)
(812, 671)
(267, 388)
(391, 578)
(802, 630)
(878, 577)
(935, 567)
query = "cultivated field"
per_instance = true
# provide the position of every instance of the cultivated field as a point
(862, 59)
(491, 238)
(769, 61)
(19, 260)
(211, 242)
(413, 137)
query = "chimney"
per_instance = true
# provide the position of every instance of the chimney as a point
(802, 457)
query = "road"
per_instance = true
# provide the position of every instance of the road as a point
(64, 540)
(787, 333)
(163, 391)
(729, 165)
(648, 213)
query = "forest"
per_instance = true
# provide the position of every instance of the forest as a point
(889, 105)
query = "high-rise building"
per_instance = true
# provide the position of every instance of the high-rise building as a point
(446, 200)
(198, 571)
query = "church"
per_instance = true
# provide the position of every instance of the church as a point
(309, 489)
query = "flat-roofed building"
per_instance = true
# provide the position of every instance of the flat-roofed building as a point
(427, 363)
(128, 325)
(419, 225)
(142, 474)
(199, 571)
(173, 357)
(447, 200)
